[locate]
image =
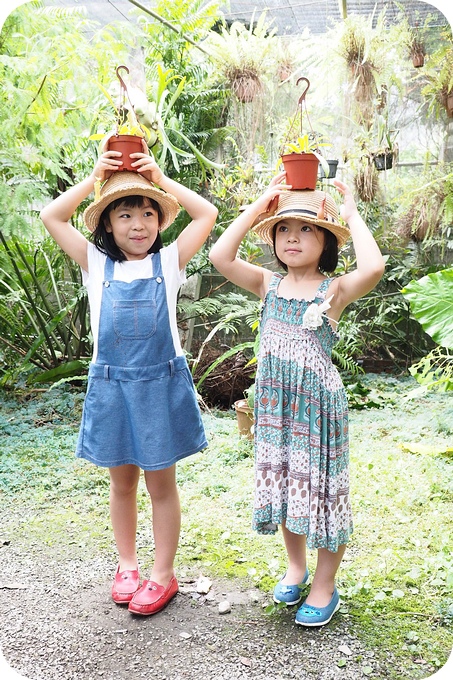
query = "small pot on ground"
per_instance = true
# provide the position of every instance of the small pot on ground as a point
(245, 418)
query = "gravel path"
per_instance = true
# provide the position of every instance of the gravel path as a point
(54, 630)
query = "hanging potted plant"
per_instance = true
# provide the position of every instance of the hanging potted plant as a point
(301, 157)
(243, 56)
(366, 180)
(333, 166)
(415, 36)
(128, 134)
(417, 51)
(386, 151)
(438, 91)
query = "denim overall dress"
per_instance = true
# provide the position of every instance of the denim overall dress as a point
(140, 407)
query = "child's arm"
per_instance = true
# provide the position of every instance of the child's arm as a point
(370, 263)
(223, 254)
(203, 213)
(56, 216)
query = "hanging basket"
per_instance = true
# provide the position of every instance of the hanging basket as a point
(449, 105)
(246, 87)
(126, 144)
(301, 170)
(418, 60)
(383, 161)
(333, 165)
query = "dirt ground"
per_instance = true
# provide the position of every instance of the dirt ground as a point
(59, 623)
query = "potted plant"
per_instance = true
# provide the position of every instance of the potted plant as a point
(301, 160)
(362, 45)
(245, 412)
(301, 157)
(333, 166)
(417, 49)
(243, 55)
(414, 37)
(128, 133)
(386, 150)
(366, 180)
(286, 61)
(439, 73)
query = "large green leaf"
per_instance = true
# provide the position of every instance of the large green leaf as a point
(431, 301)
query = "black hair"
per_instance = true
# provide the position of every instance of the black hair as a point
(103, 239)
(329, 257)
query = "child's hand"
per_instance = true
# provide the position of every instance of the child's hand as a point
(107, 163)
(275, 188)
(349, 208)
(147, 166)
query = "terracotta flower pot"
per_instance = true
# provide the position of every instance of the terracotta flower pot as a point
(301, 170)
(245, 418)
(126, 144)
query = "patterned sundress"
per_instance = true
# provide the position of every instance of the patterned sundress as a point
(301, 426)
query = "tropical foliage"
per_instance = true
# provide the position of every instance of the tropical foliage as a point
(431, 300)
(58, 81)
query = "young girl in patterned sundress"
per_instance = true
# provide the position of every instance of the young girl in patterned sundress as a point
(301, 418)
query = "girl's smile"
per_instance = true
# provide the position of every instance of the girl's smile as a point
(134, 229)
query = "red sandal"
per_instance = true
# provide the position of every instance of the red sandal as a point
(124, 585)
(152, 597)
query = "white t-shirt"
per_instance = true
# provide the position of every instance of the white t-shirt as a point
(128, 271)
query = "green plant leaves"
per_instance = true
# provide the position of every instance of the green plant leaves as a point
(431, 301)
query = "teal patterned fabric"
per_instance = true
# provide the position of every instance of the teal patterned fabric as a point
(301, 426)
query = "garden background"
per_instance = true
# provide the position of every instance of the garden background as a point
(220, 98)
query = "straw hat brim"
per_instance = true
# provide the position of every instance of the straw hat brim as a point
(264, 227)
(123, 184)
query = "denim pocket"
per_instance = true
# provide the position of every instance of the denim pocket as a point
(134, 319)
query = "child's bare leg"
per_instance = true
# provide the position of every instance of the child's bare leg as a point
(323, 583)
(161, 485)
(297, 557)
(123, 513)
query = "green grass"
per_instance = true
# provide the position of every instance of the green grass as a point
(396, 580)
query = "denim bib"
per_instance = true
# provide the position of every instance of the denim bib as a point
(141, 405)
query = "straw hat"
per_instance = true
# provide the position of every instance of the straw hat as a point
(122, 184)
(311, 207)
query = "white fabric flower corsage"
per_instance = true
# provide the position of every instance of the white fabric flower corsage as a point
(313, 316)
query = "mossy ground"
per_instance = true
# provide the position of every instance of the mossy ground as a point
(396, 580)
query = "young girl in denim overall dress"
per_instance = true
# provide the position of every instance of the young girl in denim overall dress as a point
(301, 420)
(140, 410)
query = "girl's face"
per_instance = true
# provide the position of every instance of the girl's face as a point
(298, 244)
(134, 229)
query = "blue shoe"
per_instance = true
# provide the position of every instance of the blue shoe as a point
(307, 615)
(289, 594)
